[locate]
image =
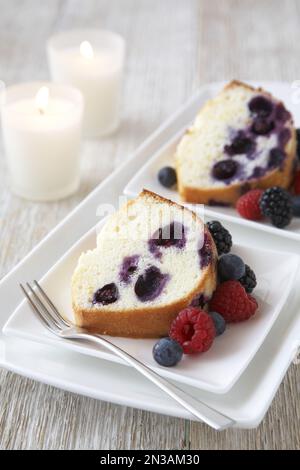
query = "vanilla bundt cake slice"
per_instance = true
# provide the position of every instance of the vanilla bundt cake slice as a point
(244, 138)
(153, 258)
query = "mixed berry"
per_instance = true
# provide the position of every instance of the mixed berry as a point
(167, 177)
(194, 330)
(274, 204)
(167, 352)
(248, 205)
(248, 280)
(230, 267)
(196, 327)
(219, 322)
(221, 236)
(231, 300)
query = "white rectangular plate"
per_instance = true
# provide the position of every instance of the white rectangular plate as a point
(146, 177)
(216, 370)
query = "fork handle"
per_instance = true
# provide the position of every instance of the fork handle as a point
(197, 408)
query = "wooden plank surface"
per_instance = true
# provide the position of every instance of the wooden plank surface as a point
(173, 47)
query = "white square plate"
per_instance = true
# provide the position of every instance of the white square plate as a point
(216, 370)
(146, 177)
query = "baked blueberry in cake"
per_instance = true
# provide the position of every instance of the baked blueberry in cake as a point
(243, 138)
(153, 258)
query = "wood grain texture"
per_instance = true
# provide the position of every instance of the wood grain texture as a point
(173, 47)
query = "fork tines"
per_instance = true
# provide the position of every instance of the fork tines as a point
(44, 308)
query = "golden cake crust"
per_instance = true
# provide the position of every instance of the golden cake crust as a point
(145, 322)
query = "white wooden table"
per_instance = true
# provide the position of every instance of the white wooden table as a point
(173, 47)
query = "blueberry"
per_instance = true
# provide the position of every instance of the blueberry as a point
(239, 145)
(225, 169)
(205, 252)
(262, 126)
(108, 294)
(284, 137)
(296, 206)
(258, 172)
(261, 106)
(281, 114)
(167, 236)
(128, 268)
(276, 157)
(167, 176)
(220, 324)
(167, 352)
(150, 284)
(231, 267)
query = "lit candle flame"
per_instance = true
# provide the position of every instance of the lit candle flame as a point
(41, 99)
(86, 50)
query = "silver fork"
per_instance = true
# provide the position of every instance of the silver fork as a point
(48, 314)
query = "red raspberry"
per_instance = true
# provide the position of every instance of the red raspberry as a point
(297, 183)
(194, 329)
(232, 301)
(248, 205)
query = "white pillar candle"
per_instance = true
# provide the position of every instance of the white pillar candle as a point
(91, 60)
(41, 125)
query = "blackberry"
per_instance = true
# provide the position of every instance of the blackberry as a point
(221, 236)
(276, 203)
(298, 142)
(248, 280)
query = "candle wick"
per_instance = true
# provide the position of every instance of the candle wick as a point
(41, 111)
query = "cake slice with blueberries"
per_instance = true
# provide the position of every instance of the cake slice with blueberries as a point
(153, 258)
(242, 139)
